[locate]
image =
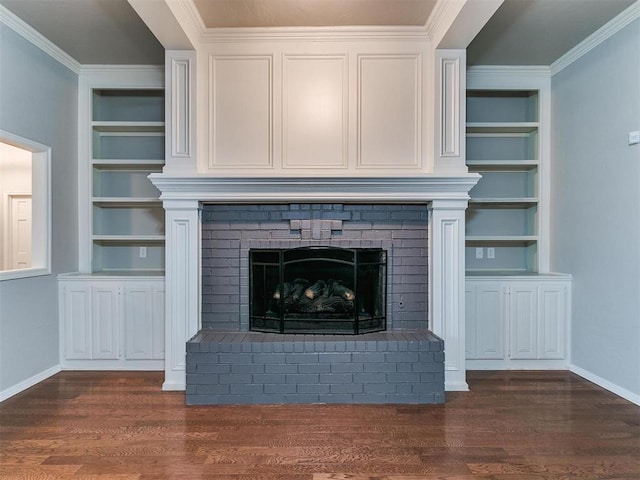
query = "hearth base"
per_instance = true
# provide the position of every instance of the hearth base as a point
(404, 367)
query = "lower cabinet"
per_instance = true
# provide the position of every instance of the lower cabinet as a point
(517, 322)
(111, 322)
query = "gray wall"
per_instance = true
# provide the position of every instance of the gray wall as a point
(596, 205)
(38, 101)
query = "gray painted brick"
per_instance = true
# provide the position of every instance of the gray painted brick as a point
(314, 368)
(202, 379)
(301, 398)
(334, 378)
(212, 367)
(302, 358)
(335, 358)
(280, 388)
(235, 358)
(336, 398)
(236, 378)
(280, 368)
(367, 357)
(302, 378)
(251, 368)
(380, 367)
(269, 378)
(347, 367)
(403, 377)
(402, 357)
(268, 358)
(370, 377)
(345, 388)
(379, 388)
(246, 389)
(313, 388)
(214, 389)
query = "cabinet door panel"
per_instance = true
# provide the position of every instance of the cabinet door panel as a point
(551, 328)
(158, 323)
(105, 319)
(523, 315)
(138, 321)
(490, 327)
(471, 322)
(77, 317)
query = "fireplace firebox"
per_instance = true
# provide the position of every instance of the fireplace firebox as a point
(321, 290)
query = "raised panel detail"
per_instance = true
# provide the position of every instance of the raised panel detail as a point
(105, 319)
(552, 311)
(389, 111)
(240, 112)
(523, 310)
(450, 107)
(77, 314)
(490, 337)
(157, 305)
(138, 321)
(315, 112)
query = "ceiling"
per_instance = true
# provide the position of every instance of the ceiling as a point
(522, 32)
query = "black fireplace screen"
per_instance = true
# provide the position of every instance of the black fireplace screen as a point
(317, 290)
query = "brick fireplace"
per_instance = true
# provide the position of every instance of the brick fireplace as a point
(432, 207)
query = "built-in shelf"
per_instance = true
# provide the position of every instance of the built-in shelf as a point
(128, 132)
(502, 137)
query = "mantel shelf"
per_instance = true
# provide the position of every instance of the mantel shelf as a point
(127, 164)
(501, 239)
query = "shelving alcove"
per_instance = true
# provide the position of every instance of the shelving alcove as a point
(112, 310)
(517, 311)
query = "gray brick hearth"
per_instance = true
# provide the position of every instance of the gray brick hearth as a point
(262, 368)
(228, 364)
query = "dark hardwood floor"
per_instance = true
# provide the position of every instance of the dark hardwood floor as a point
(512, 425)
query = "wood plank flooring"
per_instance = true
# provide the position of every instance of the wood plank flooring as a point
(511, 426)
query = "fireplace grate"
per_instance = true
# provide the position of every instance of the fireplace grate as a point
(318, 290)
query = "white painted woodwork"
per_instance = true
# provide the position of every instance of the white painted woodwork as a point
(111, 322)
(552, 306)
(105, 314)
(75, 316)
(389, 113)
(240, 112)
(315, 111)
(449, 149)
(523, 321)
(507, 142)
(485, 321)
(120, 138)
(518, 321)
(182, 299)
(180, 110)
(20, 222)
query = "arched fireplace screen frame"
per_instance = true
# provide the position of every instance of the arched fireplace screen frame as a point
(318, 290)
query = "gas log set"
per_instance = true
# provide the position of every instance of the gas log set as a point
(317, 290)
(302, 296)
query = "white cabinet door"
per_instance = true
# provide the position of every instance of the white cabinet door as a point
(144, 321)
(485, 321)
(76, 313)
(490, 332)
(552, 311)
(105, 319)
(523, 321)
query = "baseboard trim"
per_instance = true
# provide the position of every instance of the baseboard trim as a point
(612, 387)
(29, 382)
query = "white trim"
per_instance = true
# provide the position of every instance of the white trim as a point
(29, 382)
(596, 38)
(37, 39)
(41, 207)
(487, 73)
(612, 387)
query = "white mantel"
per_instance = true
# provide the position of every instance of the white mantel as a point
(445, 196)
(344, 120)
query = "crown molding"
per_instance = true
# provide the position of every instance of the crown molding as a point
(599, 36)
(527, 71)
(442, 10)
(293, 34)
(27, 32)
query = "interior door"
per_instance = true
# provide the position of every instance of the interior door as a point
(19, 231)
